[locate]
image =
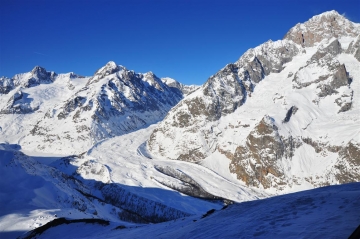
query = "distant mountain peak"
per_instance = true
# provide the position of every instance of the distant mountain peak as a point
(111, 63)
(38, 69)
(110, 68)
(150, 73)
(185, 89)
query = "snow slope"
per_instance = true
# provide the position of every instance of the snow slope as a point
(329, 212)
(36, 187)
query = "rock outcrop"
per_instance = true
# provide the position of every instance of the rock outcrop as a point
(324, 26)
(354, 48)
(6, 85)
(259, 161)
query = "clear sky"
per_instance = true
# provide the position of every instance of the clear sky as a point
(183, 39)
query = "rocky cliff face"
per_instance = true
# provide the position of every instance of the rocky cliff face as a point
(258, 161)
(323, 26)
(354, 48)
(330, 76)
(274, 112)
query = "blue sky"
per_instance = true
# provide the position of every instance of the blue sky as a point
(185, 40)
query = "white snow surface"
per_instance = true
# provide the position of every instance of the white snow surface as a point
(329, 212)
(14, 127)
(30, 197)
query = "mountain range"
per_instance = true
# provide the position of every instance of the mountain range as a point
(130, 149)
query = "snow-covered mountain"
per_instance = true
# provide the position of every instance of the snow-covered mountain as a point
(126, 150)
(26, 97)
(17, 100)
(78, 112)
(286, 114)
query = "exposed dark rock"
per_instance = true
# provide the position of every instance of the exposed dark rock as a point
(19, 103)
(347, 168)
(334, 48)
(188, 185)
(328, 83)
(345, 107)
(354, 48)
(254, 162)
(71, 105)
(291, 111)
(60, 221)
(148, 210)
(208, 213)
(6, 85)
(339, 78)
(38, 76)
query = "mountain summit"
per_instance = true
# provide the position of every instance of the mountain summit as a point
(324, 26)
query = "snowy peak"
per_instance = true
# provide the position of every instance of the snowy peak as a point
(25, 92)
(324, 26)
(153, 80)
(41, 76)
(185, 89)
(38, 70)
(37, 76)
(110, 68)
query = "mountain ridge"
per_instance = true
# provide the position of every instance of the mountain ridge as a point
(323, 71)
(112, 102)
